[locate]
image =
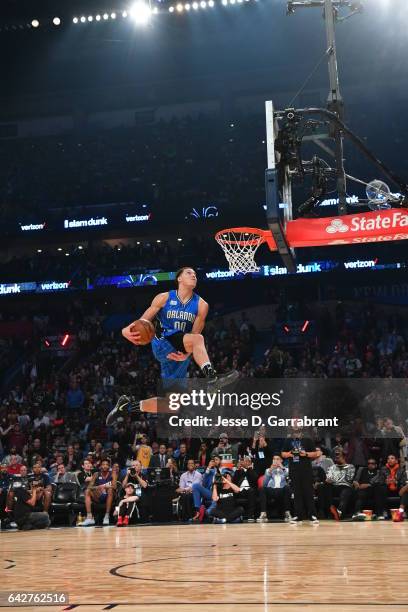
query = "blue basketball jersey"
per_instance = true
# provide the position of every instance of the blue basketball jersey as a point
(175, 316)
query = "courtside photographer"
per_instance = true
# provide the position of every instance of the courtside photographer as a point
(226, 508)
(25, 498)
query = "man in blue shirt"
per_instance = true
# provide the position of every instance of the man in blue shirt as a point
(75, 397)
(275, 488)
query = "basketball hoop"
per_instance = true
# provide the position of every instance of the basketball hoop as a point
(240, 245)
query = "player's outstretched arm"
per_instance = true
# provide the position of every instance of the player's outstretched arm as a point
(149, 314)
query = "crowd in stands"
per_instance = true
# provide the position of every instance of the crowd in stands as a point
(52, 424)
(165, 163)
(79, 264)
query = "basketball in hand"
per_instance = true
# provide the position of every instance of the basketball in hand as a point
(145, 329)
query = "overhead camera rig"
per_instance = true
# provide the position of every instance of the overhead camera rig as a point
(287, 129)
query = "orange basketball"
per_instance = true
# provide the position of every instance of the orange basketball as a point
(145, 329)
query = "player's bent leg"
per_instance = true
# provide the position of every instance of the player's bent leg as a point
(194, 343)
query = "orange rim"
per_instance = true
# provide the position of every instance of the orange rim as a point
(224, 236)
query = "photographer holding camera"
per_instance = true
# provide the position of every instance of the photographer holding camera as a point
(25, 515)
(134, 476)
(226, 508)
(300, 451)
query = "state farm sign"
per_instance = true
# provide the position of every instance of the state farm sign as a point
(379, 226)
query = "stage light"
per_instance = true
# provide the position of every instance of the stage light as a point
(47, 343)
(179, 239)
(211, 3)
(35, 23)
(105, 16)
(56, 21)
(66, 254)
(124, 14)
(59, 249)
(83, 19)
(113, 15)
(171, 9)
(187, 7)
(140, 13)
(75, 20)
(224, 2)
(180, 8)
(155, 11)
(203, 4)
(65, 340)
(195, 6)
(39, 250)
(98, 18)
(90, 18)
(80, 247)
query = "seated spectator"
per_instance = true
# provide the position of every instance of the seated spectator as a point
(14, 466)
(393, 483)
(13, 451)
(322, 461)
(225, 508)
(204, 455)
(275, 488)
(223, 447)
(42, 484)
(63, 476)
(174, 471)
(369, 492)
(36, 450)
(203, 490)
(72, 459)
(59, 460)
(24, 512)
(185, 489)
(393, 441)
(182, 457)
(84, 475)
(100, 489)
(247, 481)
(160, 459)
(127, 506)
(339, 481)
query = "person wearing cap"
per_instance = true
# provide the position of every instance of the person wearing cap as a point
(127, 506)
(223, 447)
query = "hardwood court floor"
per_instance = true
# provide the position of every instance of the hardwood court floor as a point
(284, 568)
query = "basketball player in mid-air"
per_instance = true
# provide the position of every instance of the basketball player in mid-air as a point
(180, 316)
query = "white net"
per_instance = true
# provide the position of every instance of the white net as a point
(240, 247)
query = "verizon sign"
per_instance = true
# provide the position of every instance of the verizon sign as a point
(382, 226)
(32, 227)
